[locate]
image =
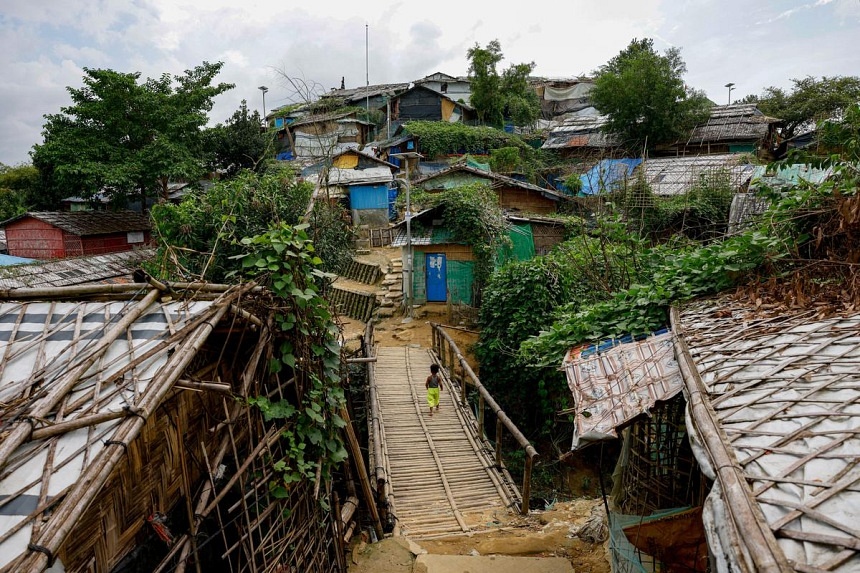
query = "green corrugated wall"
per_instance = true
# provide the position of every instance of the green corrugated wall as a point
(459, 277)
(522, 246)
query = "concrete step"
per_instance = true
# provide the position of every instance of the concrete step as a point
(490, 564)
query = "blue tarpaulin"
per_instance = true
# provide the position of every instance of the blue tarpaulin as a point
(606, 174)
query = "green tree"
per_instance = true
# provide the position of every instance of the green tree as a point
(809, 101)
(485, 82)
(498, 97)
(240, 142)
(126, 138)
(643, 95)
(19, 189)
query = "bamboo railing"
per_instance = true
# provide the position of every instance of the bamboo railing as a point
(458, 368)
(379, 473)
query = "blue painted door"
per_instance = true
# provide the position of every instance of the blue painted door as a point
(437, 282)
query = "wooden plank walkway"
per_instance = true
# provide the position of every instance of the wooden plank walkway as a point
(442, 478)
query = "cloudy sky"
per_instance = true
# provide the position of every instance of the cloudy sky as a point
(45, 44)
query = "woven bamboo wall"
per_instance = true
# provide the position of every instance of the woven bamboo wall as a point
(148, 479)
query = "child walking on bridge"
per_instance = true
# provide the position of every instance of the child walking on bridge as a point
(434, 386)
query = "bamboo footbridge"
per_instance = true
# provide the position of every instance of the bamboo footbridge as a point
(437, 475)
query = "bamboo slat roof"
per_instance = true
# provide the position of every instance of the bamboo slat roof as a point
(112, 267)
(736, 122)
(104, 366)
(613, 384)
(85, 223)
(677, 175)
(783, 387)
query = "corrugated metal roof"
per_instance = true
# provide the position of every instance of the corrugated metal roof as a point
(346, 177)
(677, 175)
(611, 386)
(74, 271)
(784, 388)
(86, 223)
(581, 131)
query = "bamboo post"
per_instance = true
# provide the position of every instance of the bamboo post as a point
(355, 454)
(498, 441)
(527, 485)
(463, 387)
(481, 416)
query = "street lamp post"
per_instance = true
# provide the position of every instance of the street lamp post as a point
(264, 89)
(731, 86)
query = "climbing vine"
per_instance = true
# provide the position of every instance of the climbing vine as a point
(443, 138)
(284, 260)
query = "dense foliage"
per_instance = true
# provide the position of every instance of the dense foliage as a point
(644, 96)
(442, 138)
(125, 138)
(239, 143)
(809, 101)
(523, 296)
(19, 190)
(198, 238)
(495, 97)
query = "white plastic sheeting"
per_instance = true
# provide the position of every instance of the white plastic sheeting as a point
(785, 388)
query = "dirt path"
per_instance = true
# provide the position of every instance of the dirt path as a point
(541, 534)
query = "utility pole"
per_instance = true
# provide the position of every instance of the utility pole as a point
(264, 89)
(407, 264)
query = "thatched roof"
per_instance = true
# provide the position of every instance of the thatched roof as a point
(775, 417)
(736, 122)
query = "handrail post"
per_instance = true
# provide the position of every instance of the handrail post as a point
(498, 441)
(527, 485)
(463, 388)
(481, 416)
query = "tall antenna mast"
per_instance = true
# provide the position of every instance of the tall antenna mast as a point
(366, 74)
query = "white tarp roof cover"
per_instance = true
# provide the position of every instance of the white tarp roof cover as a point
(40, 342)
(612, 384)
(784, 386)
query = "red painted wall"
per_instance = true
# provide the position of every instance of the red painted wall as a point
(101, 244)
(34, 239)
